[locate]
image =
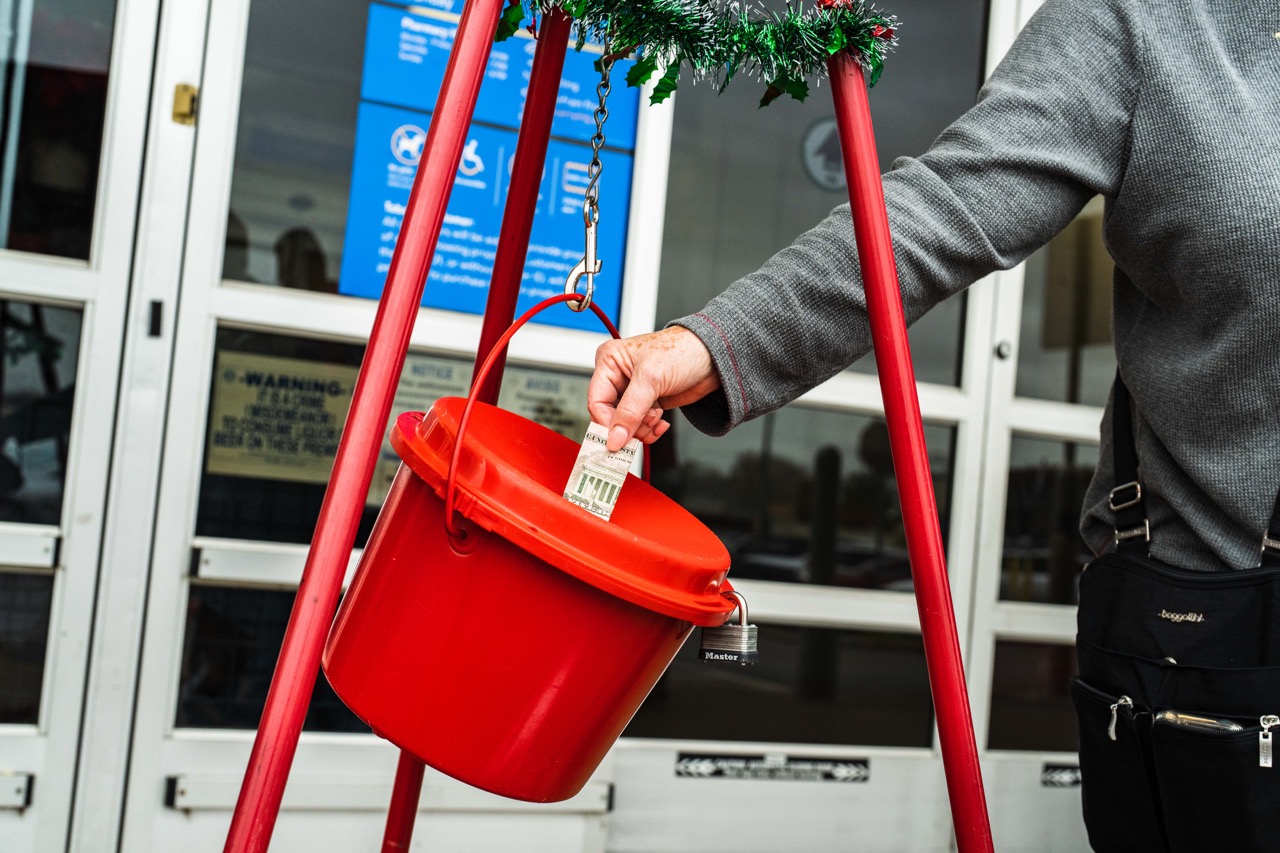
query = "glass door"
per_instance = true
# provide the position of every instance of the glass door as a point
(73, 88)
(1051, 363)
(311, 120)
(834, 727)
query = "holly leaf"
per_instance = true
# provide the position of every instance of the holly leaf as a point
(770, 95)
(877, 65)
(667, 84)
(837, 41)
(509, 23)
(796, 88)
(639, 74)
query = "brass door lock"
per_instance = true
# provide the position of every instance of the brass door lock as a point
(185, 100)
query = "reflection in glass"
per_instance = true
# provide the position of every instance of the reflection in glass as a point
(277, 405)
(39, 349)
(294, 143)
(24, 636)
(1043, 550)
(232, 639)
(1030, 705)
(1065, 352)
(812, 685)
(802, 494)
(56, 56)
(745, 182)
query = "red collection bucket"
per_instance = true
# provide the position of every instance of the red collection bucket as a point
(510, 647)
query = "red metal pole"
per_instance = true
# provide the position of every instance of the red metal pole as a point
(504, 290)
(522, 198)
(910, 456)
(404, 804)
(317, 599)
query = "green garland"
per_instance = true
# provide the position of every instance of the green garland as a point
(718, 42)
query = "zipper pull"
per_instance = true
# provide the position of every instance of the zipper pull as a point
(1264, 738)
(1128, 703)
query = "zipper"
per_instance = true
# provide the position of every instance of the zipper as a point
(1128, 703)
(1264, 738)
(1155, 568)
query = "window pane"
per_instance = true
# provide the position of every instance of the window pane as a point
(812, 685)
(802, 495)
(277, 407)
(24, 637)
(1065, 352)
(232, 641)
(1043, 550)
(39, 350)
(336, 102)
(56, 54)
(276, 412)
(1030, 705)
(745, 182)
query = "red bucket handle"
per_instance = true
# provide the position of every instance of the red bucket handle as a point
(478, 382)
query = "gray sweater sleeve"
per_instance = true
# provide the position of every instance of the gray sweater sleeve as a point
(1050, 130)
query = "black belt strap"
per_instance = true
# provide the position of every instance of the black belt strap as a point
(1133, 530)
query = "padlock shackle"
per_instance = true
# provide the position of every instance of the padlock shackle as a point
(479, 381)
(741, 601)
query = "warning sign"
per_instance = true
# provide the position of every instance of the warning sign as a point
(277, 418)
(773, 767)
(423, 380)
(557, 401)
(280, 418)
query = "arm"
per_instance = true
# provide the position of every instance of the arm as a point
(1050, 130)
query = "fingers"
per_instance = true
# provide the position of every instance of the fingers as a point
(652, 427)
(636, 378)
(630, 414)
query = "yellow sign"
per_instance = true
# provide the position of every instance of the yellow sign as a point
(277, 418)
(423, 380)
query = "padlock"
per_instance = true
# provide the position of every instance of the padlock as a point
(731, 643)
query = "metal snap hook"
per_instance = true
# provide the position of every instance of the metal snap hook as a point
(589, 266)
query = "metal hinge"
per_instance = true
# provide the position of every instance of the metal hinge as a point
(186, 100)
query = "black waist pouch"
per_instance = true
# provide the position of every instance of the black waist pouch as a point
(1178, 693)
(1177, 699)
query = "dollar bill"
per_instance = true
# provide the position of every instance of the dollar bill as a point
(598, 475)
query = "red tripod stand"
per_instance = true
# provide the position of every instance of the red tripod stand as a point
(299, 661)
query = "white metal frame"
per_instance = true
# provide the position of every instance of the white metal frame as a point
(1013, 776)
(100, 289)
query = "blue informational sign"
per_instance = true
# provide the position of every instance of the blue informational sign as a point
(389, 141)
(405, 57)
(404, 62)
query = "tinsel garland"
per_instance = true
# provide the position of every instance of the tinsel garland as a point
(718, 42)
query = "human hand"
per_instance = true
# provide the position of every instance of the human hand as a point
(637, 378)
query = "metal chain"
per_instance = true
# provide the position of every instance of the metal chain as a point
(591, 205)
(590, 264)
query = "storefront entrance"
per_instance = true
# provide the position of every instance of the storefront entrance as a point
(197, 202)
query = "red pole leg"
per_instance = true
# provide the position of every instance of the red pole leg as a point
(522, 197)
(404, 804)
(286, 706)
(504, 290)
(910, 456)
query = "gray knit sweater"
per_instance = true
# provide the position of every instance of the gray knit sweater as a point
(1170, 109)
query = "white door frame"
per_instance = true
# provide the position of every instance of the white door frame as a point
(100, 288)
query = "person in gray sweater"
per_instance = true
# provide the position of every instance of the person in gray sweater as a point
(1169, 109)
